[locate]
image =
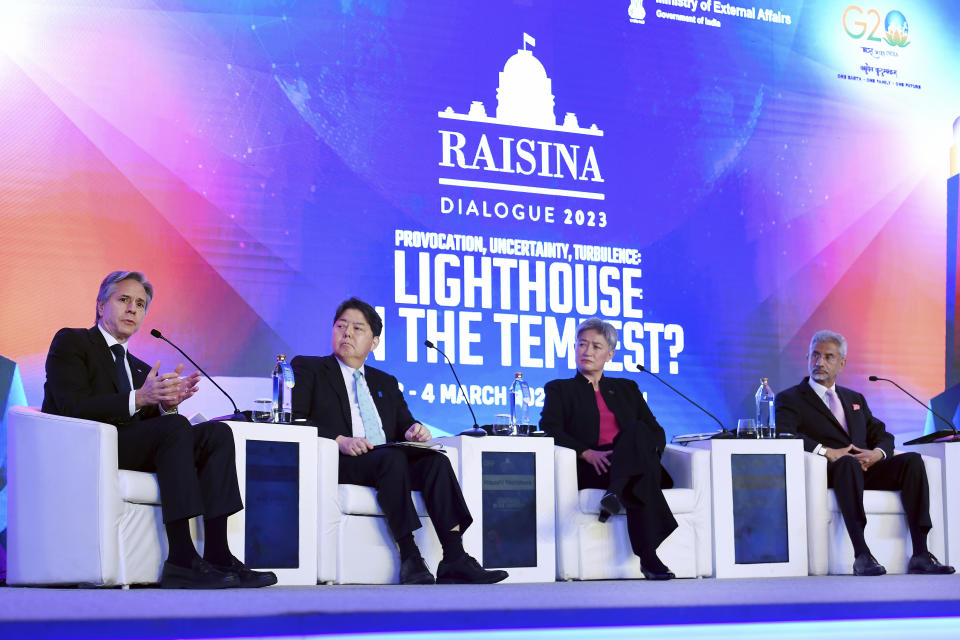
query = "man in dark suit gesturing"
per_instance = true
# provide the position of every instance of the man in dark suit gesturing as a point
(835, 422)
(360, 407)
(91, 375)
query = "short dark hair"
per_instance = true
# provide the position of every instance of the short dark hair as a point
(373, 318)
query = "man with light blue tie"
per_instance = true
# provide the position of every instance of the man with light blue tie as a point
(361, 407)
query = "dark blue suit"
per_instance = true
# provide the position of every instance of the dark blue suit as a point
(195, 466)
(320, 397)
(800, 410)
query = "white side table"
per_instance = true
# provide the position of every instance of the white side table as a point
(759, 508)
(507, 482)
(277, 472)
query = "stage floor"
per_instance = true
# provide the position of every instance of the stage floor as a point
(290, 611)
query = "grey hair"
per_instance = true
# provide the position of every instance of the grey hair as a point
(829, 336)
(607, 330)
(109, 285)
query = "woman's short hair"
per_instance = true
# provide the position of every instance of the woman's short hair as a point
(829, 336)
(109, 285)
(607, 330)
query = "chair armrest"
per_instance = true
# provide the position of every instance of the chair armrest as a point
(818, 516)
(64, 500)
(328, 509)
(567, 499)
(565, 476)
(688, 467)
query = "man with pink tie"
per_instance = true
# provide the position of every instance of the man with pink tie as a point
(836, 423)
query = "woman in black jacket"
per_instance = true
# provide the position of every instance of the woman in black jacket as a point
(618, 443)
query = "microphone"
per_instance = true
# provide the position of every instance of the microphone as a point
(237, 415)
(724, 433)
(930, 437)
(476, 431)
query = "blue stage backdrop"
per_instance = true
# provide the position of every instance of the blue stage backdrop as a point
(718, 179)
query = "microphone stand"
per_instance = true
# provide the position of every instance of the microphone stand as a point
(476, 431)
(237, 416)
(943, 435)
(724, 434)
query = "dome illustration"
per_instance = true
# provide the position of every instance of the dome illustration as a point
(524, 98)
(524, 95)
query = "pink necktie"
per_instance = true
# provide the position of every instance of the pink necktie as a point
(836, 408)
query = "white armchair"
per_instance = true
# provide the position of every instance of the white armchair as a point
(354, 544)
(74, 517)
(588, 549)
(829, 549)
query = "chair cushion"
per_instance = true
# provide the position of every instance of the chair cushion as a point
(139, 487)
(873, 502)
(679, 500)
(359, 500)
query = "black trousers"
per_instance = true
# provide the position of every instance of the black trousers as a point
(395, 472)
(649, 519)
(195, 465)
(904, 473)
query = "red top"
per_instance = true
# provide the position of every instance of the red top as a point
(608, 422)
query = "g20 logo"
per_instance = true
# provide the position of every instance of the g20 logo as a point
(857, 23)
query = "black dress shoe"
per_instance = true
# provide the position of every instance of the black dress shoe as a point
(248, 578)
(866, 565)
(200, 575)
(610, 505)
(928, 564)
(414, 571)
(657, 575)
(466, 570)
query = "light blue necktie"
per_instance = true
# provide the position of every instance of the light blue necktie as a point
(368, 412)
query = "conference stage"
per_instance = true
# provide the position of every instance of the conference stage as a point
(822, 607)
(717, 179)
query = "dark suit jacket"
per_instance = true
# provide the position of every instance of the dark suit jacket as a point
(82, 383)
(800, 410)
(320, 397)
(571, 416)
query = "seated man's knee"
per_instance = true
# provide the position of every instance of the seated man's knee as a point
(847, 465)
(912, 462)
(217, 432)
(438, 463)
(174, 426)
(392, 461)
(910, 457)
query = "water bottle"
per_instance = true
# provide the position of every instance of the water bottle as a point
(520, 400)
(282, 390)
(766, 424)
